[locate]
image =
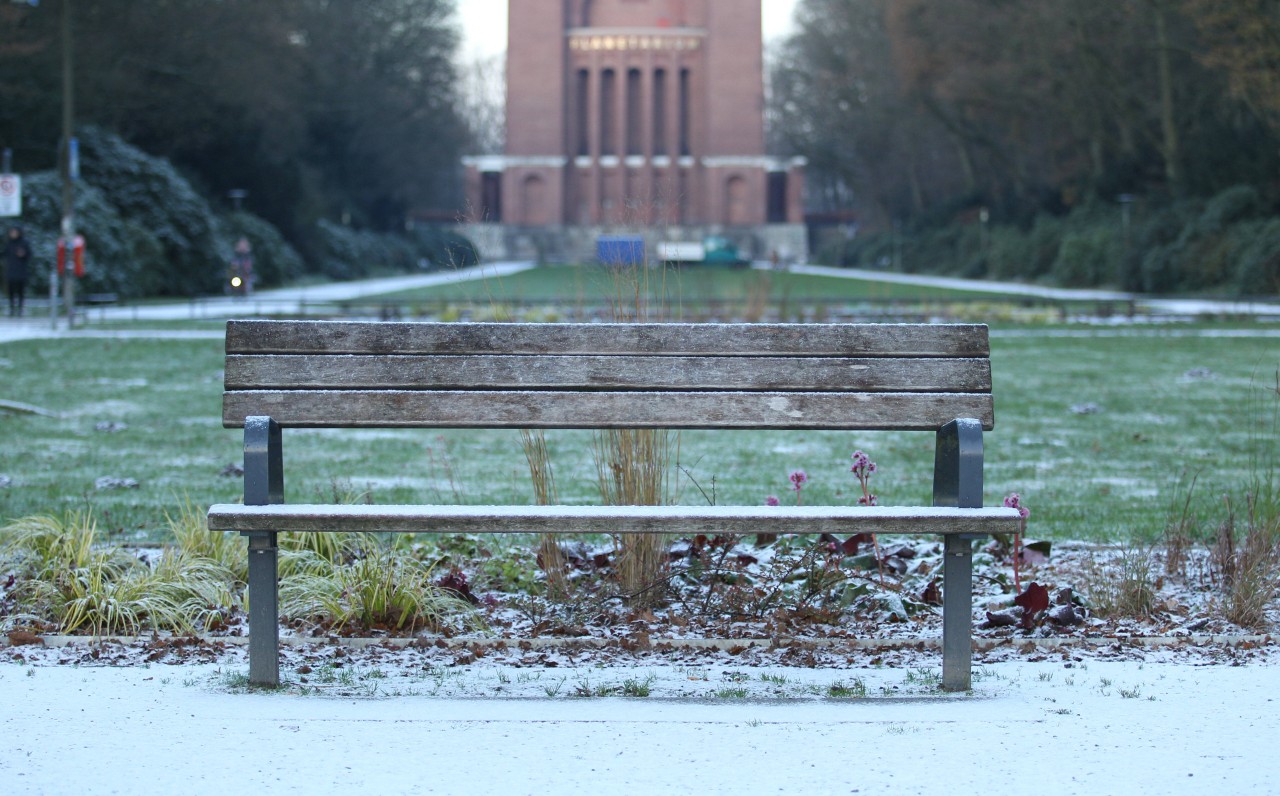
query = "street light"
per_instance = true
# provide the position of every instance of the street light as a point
(70, 168)
(1126, 201)
(69, 165)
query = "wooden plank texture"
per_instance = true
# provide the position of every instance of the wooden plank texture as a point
(837, 520)
(664, 339)
(297, 371)
(520, 409)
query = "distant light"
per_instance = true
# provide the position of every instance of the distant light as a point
(235, 281)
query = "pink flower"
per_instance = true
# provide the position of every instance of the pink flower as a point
(862, 469)
(798, 479)
(862, 465)
(1014, 501)
(772, 500)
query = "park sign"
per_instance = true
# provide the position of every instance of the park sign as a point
(10, 195)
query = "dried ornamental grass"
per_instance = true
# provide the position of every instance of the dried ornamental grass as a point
(632, 466)
(550, 555)
(384, 588)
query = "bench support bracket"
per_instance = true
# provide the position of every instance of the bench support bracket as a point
(957, 482)
(263, 486)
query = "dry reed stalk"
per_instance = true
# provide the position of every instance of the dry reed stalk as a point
(1248, 567)
(544, 491)
(632, 466)
(758, 293)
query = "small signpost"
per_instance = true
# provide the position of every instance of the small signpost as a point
(10, 195)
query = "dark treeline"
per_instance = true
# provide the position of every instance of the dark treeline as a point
(1126, 142)
(320, 109)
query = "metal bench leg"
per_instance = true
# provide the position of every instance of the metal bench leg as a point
(264, 623)
(263, 486)
(957, 613)
(957, 482)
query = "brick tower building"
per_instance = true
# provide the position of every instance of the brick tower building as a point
(636, 114)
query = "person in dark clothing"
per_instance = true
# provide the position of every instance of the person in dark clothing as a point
(16, 256)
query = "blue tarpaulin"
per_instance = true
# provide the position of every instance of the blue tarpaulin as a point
(620, 249)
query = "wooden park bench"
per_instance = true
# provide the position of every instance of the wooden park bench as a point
(321, 374)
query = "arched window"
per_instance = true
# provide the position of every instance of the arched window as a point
(735, 201)
(533, 201)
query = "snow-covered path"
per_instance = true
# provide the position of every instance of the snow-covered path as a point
(1162, 306)
(1043, 728)
(282, 300)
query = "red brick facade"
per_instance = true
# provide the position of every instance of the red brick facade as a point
(635, 113)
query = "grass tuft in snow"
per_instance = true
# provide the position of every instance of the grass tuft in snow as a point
(1123, 587)
(384, 587)
(854, 689)
(66, 576)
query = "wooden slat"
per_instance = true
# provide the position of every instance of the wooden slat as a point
(837, 520)
(294, 371)
(866, 340)
(519, 409)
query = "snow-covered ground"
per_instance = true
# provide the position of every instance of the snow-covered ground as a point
(1045, 724)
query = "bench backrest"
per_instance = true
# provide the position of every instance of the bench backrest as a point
(609, 375)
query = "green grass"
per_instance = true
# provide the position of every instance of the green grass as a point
(673, 287)
(167, 393)
(1103, 476)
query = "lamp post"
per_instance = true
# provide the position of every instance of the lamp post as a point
(70, 170)
(1126, 202)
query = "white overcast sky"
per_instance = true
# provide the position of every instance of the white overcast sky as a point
(484, 24)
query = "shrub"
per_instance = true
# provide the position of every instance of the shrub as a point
(150, 193)
(346, 253)
(275, 261)
(119, 252)
(148, 232)
(1235, 204)
(1086, 258)
(444, 248)
(1257, 265)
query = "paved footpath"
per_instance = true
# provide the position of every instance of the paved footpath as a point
(1097, 728)
(1162, 306)
(294, 300)
(282, 300)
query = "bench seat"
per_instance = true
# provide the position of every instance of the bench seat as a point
(683, 520)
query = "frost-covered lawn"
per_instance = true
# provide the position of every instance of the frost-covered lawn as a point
(1095, 428)
(678, 291)
(1052, 727)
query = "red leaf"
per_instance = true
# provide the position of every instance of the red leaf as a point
(850, 546)
(1000, 619)
(932, 595)
(1032, 601)
(455, 580)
